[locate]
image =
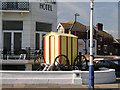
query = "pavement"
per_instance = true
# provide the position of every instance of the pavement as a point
(58, 86)
(115, 86)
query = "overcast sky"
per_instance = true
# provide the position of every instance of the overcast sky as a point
(104, 12)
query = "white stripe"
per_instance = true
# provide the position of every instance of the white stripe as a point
(47, 50)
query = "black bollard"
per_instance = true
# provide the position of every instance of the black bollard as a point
(28, 53)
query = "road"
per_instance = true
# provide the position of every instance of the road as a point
(115, 85)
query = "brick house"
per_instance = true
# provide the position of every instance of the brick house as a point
(116, 44)
(103, 42)
(79, 30)
(106, 43)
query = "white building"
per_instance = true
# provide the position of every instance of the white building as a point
(24, 23)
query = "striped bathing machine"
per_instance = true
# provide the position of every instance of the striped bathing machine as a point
(59, 43)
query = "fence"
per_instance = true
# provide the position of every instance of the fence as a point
(27, 53)
(15, 6)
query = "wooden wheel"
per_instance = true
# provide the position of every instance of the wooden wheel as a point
(38, 59)
(80, 63)
(61, 62)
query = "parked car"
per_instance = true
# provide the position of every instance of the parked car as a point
(107, 64)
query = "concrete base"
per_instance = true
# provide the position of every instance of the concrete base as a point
(56, 77)
(27, 63)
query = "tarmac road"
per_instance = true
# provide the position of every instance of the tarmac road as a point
(115, 86)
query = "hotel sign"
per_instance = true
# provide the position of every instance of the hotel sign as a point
(47, 6)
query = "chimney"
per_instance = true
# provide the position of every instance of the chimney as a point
(99, 27)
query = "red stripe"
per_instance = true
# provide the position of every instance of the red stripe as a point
(67, 46)
(77, 46)
(44, 50)
(54, 47)
(59, 46)
(71, 50)
(50, 49)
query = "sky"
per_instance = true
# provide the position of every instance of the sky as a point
(104, 12)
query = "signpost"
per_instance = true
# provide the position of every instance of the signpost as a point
(91, 66)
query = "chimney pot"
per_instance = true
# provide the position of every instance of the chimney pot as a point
(99, 26)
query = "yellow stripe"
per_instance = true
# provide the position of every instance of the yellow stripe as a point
(117, 78)
(52, 49)
(69, 49)
(56, 46)
(74, 48)
(63, 48)
(63, 45)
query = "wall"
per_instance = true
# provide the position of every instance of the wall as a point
(81, 46)
(57, 77)
(40, 15)
(94, 48)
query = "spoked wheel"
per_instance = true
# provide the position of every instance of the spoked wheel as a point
(37, 63)
(80, 63)
(77, 63)
(61, 63)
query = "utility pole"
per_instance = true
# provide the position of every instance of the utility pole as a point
(91, 66)
(75, 21)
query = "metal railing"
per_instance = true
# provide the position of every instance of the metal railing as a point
(22, 6)
(30, 54)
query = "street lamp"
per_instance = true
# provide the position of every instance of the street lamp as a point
(91, 67)
(76, 20)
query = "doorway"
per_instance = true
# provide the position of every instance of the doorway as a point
(12, 41)
(40, 40)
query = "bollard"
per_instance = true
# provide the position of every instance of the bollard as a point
(80, 62)
(28, 67)
(5, 54)
(28, 53)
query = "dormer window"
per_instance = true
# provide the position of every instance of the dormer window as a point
(60, 29)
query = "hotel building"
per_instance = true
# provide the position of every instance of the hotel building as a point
(23, 23)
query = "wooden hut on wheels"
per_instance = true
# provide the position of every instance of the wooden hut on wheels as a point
(56, 43)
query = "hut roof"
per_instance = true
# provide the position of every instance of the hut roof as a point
(60, 34)
(77, 27)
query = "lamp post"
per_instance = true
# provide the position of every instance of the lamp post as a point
(91, 66)
(76, 20)
(1, 32)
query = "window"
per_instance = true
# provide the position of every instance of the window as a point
(116, 50)
(93, 43)
(37, 41)
(99, 47)
(46, 27)
(12, 25)
(105, 48)
(43, 41)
